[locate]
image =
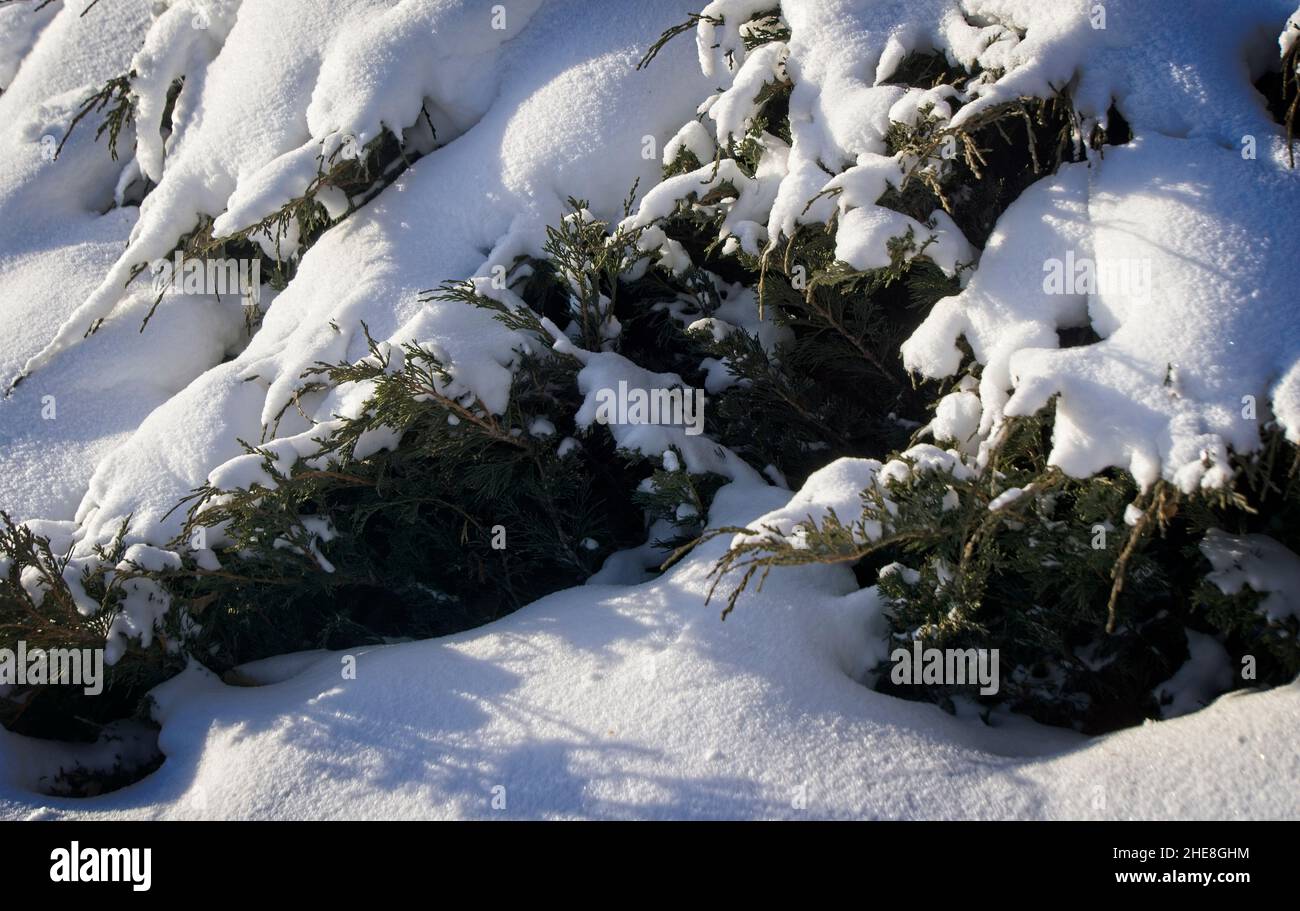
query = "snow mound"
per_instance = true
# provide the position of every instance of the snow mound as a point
(58, 236)
(510, 157)
(1178, 246)
(1174, 249)
(608, 700)
(637, 702)
(1170, 250)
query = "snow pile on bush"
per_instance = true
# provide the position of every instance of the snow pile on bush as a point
(1197, 205)
(512, 120)
(635, 702)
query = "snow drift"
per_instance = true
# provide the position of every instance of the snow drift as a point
(632, 701)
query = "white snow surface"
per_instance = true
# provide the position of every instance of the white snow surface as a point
(632, 700)
(638, 702)
(1193, 348)
(480, 200)
(1259, 563)
(57, 237)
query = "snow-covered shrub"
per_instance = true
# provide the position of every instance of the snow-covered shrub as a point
(1091, 590)
(48, 600)
(422, 510)
(1063, 525)
(870, 179)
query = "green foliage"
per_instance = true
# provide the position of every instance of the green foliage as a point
(423, 514)
(1087, 612)
(466, 518)
(299, 223)
(692, 21)
(28, 558)
(678, 498)
(760, 29)
(976, 170)
(358, 177)
(837, 386)
(1089, 623)
(199, 245)
(115, 98)
(773, 118)
(38, 606)
(393, 529)
(587, 262)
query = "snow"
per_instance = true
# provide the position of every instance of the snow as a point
(1207, 672)
(615, 702)
(1183, 203)
(734, 110)
(1257, 562)
(56, 240)
(478, 201)
(1191, 81)
(693, 138)
(19, 29)
(34, 765)
(1182, 362)
(1005, 499)
(1163, 393)
(957, 417)
(605, 371)
(624, 697)
(741, 220)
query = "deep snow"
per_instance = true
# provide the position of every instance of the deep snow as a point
(618, 702)
(615, 700)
